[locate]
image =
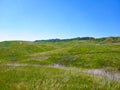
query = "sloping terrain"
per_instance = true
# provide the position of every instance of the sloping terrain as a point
(60, 65)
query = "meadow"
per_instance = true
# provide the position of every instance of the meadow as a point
(59, 65)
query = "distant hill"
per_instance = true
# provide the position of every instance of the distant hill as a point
(57, 40)
(109, 40)
(102, 40)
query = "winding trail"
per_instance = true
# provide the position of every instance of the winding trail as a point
(100, 72)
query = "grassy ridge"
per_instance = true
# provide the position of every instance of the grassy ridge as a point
(89, 54)
(17, 50)
(78, 53)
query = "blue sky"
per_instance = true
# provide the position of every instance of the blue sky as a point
(46, 19)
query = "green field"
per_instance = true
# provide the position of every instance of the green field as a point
(60, 65)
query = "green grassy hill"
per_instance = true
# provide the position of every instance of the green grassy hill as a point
(18, 50)
(26, 65)
(78, 53)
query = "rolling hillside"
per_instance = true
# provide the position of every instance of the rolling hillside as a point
(70, 64)
(88, 53)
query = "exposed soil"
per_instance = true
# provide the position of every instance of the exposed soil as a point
(100, 72)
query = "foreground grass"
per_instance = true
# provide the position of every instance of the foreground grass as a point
(46, 78)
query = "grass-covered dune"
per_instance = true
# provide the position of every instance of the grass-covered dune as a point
(26, 65)
(17, 50)
(78, 53)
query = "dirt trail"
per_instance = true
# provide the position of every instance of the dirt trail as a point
(100, 72)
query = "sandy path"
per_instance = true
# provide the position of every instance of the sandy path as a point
(100, 72)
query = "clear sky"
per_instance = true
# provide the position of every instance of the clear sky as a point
(46, 19)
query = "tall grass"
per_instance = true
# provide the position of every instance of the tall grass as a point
(43, 78)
